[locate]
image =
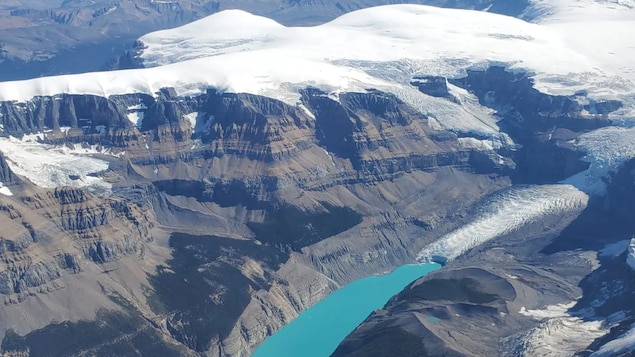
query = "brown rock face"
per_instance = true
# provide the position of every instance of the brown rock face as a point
(281, 204)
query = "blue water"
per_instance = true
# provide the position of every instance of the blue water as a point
(319, 330)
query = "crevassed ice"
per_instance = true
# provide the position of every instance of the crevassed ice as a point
(505, 213)
(607, 149)
(239, 52)
(49, 166)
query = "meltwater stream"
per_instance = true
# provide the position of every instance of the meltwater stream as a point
(319, 330)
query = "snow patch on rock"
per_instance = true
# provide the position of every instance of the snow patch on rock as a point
(191, 118)
(559, 333)
(630, 258)
(4, 190)
(560, 336)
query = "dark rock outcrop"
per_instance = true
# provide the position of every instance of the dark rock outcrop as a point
(307, 196)
(542, 124)
(433, 85)
(7, 177)
(411, 316)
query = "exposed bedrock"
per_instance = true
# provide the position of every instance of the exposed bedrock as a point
(542, 124)
(279, 205)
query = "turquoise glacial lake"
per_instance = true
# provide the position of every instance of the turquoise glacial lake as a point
(319, 330)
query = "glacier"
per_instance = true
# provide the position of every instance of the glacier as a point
(504, 213)
(236, 51)
(52, 166)
(384, 48)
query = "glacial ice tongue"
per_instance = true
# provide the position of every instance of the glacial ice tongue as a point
(504, 213)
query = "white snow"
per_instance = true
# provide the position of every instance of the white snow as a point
(305, 110)
(505, 213)
(551, 311)
(49, 166)
(4, 190)
(473, 143)
(559, 333)
(191, 118)
(607, 149)
(136, 114)
(136, 118)
(559, 336)
(469, 117)
(110, 11)
(137, 107)
(239, 52)
(619, 346)
(630, 258)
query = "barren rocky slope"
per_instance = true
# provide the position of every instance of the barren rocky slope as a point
(195, 207)
(265, 207)
(558, 286)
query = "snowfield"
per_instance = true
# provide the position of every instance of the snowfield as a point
(558, 336)
(49, 166)
(375, 47)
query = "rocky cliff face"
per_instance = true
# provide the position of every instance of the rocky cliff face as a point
(540, 291)
(75, 227)
(251, 209)
(7, 177)
(543, 125)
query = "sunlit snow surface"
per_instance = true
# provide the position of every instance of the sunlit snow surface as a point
(505, 213)
(559, 333)
(607, 149)
(239, 52)
(630, 258)
(5, 190)
(49, 166)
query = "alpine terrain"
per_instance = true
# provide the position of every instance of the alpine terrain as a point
(240, 170)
